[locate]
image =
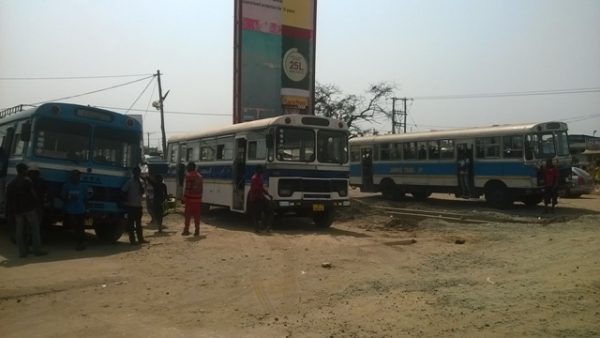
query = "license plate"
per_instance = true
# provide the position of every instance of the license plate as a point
(318, 207)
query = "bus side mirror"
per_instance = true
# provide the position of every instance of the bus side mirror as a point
(26, 131)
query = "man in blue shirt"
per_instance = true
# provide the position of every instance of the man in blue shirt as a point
(74, 194)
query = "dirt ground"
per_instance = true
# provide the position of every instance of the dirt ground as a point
(518, 274)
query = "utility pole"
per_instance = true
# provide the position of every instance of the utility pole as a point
(394, 114)
(162, 115)
(403, 112)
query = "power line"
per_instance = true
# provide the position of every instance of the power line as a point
(168, 112)
(94, 91)
(142, 93)
(507, 94)
(71, 77)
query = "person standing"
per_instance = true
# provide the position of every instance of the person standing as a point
(75, 195)
(160, 196)
(257, 201)
(192, 199)
(550, 173)
(22, 205)
(134, 189)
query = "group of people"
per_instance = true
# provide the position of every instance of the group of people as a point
(26, 197)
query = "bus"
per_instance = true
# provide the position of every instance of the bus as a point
(502, 162)
(305, 159)
(61, 137)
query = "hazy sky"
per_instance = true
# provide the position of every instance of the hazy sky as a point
(426, 48)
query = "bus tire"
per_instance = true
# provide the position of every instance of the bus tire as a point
(109, 230)
(532, 200)
(497, 195)
(205, 208)
(324, 219)
(420, 195)
(388, 189)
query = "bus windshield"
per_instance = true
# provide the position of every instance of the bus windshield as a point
(115, 147)
(62, 140)
(332, 146)
(295, 144)
(547, 145)
(562, 143)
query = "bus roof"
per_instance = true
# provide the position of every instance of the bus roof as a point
(21, 112)
(464, 133)
(294, 120)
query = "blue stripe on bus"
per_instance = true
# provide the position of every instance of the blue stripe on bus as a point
(226, 172)
(479, 169)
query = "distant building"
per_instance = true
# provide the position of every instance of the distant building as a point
(585, 150)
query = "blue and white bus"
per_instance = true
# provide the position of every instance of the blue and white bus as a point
(305, 159)
(503, 162)
(61, 137)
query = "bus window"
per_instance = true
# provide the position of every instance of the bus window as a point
(355, 154)
(225, 151)
(447, 149)
(396, 153)
(257, 150)
(189, 153)
(64, 140)
(562, 143)
(295, 144)
(384, 151)
(512, 146)
(422, 153)
(434, 150)
(531, 147)
(114, 147)
(207, 153)
(547, 145)
(410, 151)
(332, 146)
(488, 147)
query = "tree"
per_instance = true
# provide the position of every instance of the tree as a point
(355, 110)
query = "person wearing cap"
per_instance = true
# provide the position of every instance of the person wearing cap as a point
(22, 203)
(74, 194)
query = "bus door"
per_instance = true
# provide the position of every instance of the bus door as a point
(366, 163)
(464, 168)
(238, 175)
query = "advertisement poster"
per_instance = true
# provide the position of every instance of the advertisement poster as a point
(274, 58)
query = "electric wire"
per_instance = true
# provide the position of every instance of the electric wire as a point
(71, 77)
(94, 91)
(169, 112)
(508, 94)
(142, 93)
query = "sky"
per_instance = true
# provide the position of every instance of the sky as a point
(426, 48)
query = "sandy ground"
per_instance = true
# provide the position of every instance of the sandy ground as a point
(519, 274)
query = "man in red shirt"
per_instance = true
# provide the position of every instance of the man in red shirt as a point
(550, 173)
(257, 202)
(192, 198)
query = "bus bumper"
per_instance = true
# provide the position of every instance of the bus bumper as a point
(310, 205)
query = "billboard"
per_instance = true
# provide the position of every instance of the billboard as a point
(274, 57)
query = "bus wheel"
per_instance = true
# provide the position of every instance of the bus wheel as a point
(420, 195)
(205, 208)
(388, 189)
(532, 200)
(497, 195)
(324, 219)
(109, 230)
